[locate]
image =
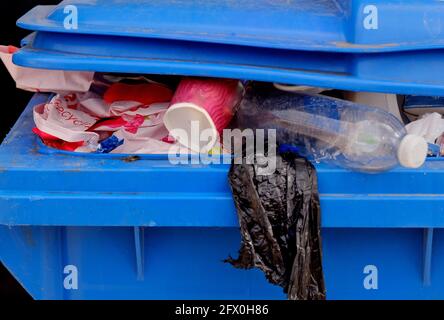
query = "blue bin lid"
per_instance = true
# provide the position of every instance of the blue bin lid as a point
(317, 43)
(409, 72)
(320, 25)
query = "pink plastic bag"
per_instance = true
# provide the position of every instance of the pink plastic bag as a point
(42, 80)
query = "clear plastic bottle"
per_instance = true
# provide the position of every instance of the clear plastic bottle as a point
(350, 135)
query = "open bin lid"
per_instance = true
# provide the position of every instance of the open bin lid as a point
(318, 25)
(318, 43)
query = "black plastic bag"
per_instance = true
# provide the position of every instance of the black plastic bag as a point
(279, 216)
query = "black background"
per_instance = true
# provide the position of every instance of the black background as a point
(12, 102)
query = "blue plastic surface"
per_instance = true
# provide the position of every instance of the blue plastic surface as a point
(150, 230)
(318, 43)
(413, 102)
(186, 263)
(318, 25)
(381, 72)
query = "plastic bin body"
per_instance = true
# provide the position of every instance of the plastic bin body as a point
(99, 227)
(105, 227)
(186, 263)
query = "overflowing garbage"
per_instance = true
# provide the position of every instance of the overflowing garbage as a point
(279, 213)
(106, 113)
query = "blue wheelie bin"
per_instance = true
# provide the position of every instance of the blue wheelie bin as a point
(76, 226)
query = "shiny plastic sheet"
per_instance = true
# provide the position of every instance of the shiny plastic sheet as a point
(279, 216)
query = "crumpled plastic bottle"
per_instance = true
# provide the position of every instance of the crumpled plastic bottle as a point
(350, 135)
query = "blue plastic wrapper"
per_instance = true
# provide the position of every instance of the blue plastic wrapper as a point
(109, 144)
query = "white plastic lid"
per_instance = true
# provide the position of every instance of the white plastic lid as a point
(412, 151)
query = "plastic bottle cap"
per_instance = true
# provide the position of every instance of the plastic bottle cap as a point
(412, 151)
